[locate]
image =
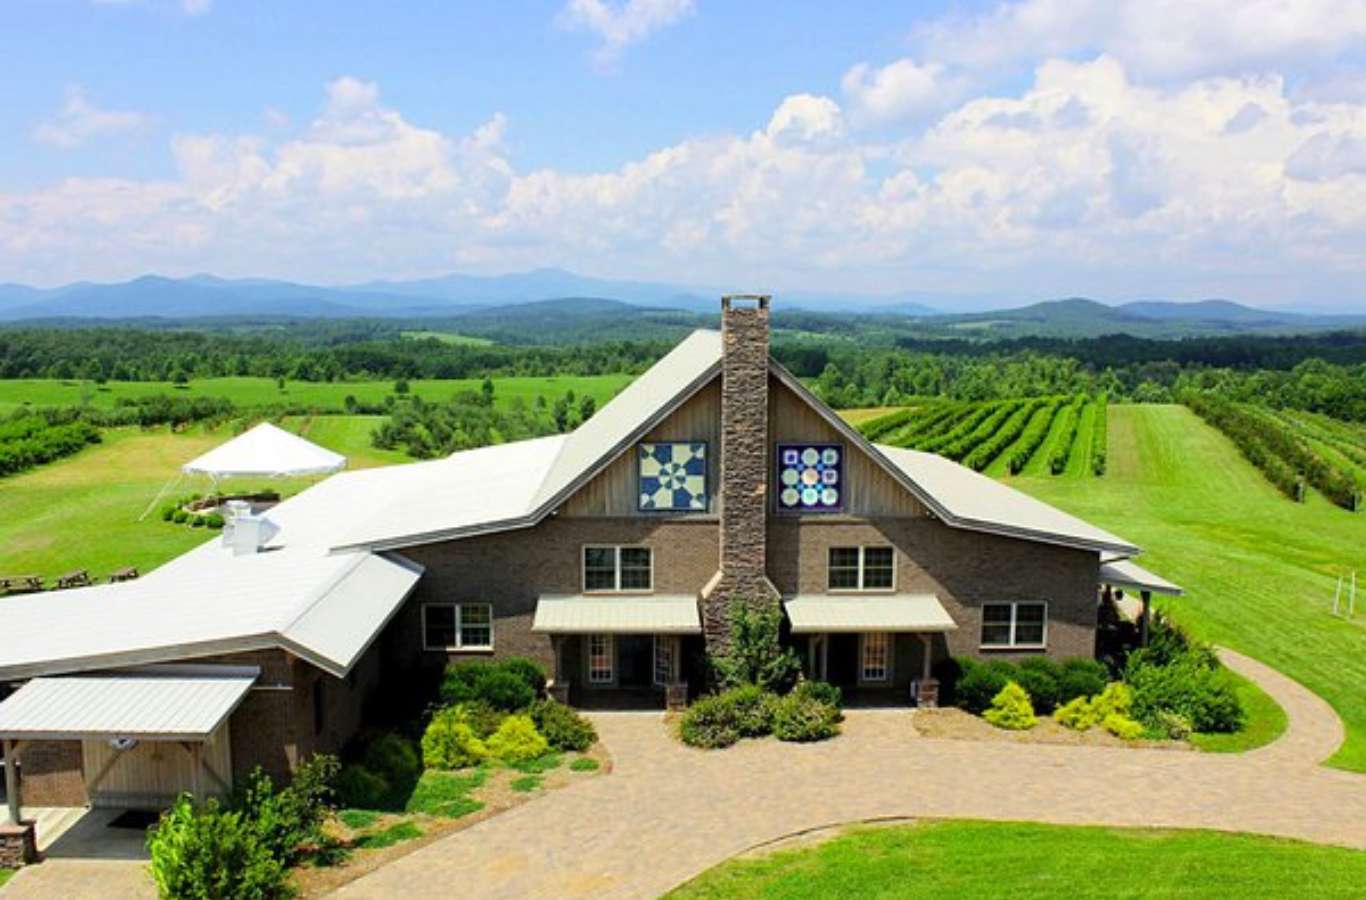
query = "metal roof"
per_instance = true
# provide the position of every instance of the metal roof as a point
(823, 613)
(636, 614)
(175, 703)
(1123, 573)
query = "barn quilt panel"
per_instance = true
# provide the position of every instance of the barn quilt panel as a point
(673, 476)
(811, 477)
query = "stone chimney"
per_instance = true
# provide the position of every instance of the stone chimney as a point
(744, 464)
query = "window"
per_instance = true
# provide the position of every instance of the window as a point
(862, 568)
(876, 657)
(607, 569)
(666, 659)
(457, 626)
(601, 659)
(1014, 624)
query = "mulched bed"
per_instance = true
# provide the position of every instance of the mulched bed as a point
(955, 724)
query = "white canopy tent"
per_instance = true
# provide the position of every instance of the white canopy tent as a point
(266, 451)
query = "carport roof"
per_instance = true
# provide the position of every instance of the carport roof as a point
(170, 703)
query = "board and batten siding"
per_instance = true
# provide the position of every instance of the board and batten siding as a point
(153, 773)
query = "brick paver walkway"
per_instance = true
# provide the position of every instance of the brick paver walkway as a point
(668, 812)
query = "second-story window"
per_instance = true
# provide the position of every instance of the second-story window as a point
(607, 569)
(862, 569)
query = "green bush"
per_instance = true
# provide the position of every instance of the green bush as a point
(1189, 687)
(1081, 713)
(753, 709)
(179, 516)
(167, 512)
(980, 683)
(1039, 675)
(212, 853)
(394, 758)
(1074, 714)
(482, 717)
(517, 740)
(1173, 725)
(196, 521)
(823, 691)
(1121, 726)
(361, 788)
(289, 821)
(804, 718)
(450, 743)
(563, 727)
(753, 655)
(1011, 709)
(504, 685)
(214, 521)
(1080, 677)
(530, 671)
(710, 722)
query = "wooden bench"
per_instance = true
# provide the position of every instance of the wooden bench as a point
(127, 573)
(74, 578)
(20, 583)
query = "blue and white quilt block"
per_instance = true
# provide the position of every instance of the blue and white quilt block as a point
(673, 476)
(810, 477)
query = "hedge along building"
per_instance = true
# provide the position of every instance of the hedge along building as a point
(612, 554)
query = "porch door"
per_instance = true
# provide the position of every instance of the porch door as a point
(666, 659)
(636, 658)
(817, 657)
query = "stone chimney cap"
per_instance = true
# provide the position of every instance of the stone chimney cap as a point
(759, 300)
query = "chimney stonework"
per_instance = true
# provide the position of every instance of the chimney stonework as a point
(744, 465)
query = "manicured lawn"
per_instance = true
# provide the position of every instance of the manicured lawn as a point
(1259, 570)
(5, 875)
(982, 859)
(82, 512)
(251, 392)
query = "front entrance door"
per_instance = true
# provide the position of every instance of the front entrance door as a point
(635, 651)
(817, 657)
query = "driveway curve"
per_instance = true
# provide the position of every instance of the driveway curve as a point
(668, 812)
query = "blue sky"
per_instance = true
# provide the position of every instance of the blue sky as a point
(953, 151)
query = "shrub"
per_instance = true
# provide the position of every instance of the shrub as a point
(394, 758)
(980, 683)
(1121, 726)
(528, 670)
(179, 516)
(823, 691)
(167, 512)
(1074, 714)
(196, 521)
(484, 719)
(497, 684)
(1189, 687)
(517, 740)
(214, 521)
(289, 821)
(359, 787)
(450, 743)
(1080, 677)
(1173, 725)
(709, 722)
(1038, 675)
(804, 718)
(753, 709)
(212, 853)
(563, 727)
(1081, 713)
(1011, 709)
(753, 654)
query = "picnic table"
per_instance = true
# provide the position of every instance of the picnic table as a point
(74, 578)
(16, 583)
(127, 573)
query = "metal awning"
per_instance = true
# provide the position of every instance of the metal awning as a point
(1127, 574)
(591, 614)
(160, 703)
(825, 613)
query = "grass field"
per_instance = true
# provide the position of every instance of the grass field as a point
(984, 859)
(81, 513)
(256, 392)
(1259, 571)
(449, 337)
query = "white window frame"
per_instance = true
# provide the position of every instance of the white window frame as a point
(668, 643)
(611, 656)
(459, 644)
(862, 570)
(616, 568)
(889, 652)
(1014, 644)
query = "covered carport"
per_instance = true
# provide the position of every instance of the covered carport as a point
(1126, 574)
(146, 735)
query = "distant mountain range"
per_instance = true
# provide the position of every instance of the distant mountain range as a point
(509, 302)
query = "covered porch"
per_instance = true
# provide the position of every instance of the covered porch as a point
(620, 651)
(145, 736)
(878, 649)
(1120, 575)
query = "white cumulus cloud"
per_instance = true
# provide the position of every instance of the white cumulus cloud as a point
(618, 25)
(79, 120)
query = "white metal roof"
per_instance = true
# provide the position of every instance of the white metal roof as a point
(967, 499)
(1123, 573)
(265, 452)
(590, 614)
(822, 613)
(179, 703)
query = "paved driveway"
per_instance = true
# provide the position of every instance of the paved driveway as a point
(668, 812)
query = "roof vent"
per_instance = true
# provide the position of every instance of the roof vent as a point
(250, 534)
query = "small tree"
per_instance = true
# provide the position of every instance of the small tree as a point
(753, 655)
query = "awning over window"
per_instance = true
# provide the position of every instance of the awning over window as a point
(822, 613)
(166, 703)
(590, 614)
(1125, 574)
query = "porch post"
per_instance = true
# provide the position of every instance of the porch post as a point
(925, 666)
(11, 783)
(1144, 619)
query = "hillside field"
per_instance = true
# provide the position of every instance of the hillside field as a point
(250, 392)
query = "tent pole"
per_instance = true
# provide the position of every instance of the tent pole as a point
(161, 493)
